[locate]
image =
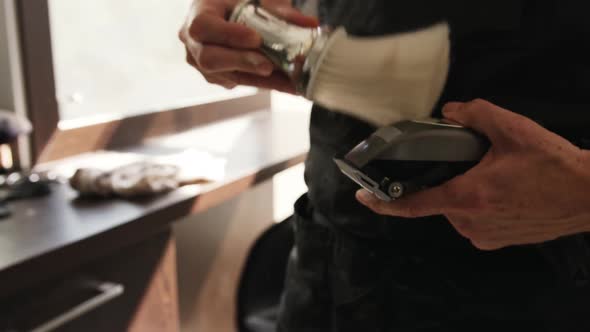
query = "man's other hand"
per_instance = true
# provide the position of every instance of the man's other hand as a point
(532, 186)
(227, 53)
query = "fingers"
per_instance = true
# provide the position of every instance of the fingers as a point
(216, 59)
(226, 53)
(221, 80)
(502, 127)
(425, 203)
(277, 81)
(189, 59)
(284, 10)
(462, 225)
(486, 234)
(479, 115)
(471, 230)
(211, 29)
(230, 80)
(242, 70)
(506, 129)
(479, 235)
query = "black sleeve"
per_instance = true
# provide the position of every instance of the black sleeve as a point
(519, 54)
(570, 120)
(371, 17)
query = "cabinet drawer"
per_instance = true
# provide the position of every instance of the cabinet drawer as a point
(131, 290)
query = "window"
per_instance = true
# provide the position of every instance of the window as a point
(115, 58)
(114, 73)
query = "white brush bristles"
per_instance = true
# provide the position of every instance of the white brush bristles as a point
(383, 80)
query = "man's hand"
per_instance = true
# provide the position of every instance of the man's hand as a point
(532, 186)
(227, 53)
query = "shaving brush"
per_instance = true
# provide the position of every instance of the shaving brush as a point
(381, 80)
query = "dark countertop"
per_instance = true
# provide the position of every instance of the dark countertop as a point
(50, 235)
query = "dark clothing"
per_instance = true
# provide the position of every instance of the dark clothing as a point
(340, 282)
(352, 270)
(526, 56)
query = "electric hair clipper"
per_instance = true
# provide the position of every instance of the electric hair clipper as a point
(411, 156)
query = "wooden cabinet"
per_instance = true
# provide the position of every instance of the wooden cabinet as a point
(62, 254)
(139, 293)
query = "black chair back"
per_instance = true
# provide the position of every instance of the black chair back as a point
(262, 280)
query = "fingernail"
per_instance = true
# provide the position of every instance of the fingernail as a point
(453, 107)
(448, 109)
(364, 196)
(255, 59)
(261, 64)
(310, 21)
(265, 69)
(284, 11)
(253, 39)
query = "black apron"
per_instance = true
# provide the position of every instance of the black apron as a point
(353, 270)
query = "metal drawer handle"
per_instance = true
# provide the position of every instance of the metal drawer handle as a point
(108, 291)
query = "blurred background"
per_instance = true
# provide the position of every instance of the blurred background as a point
(106, 81)
(118, 58)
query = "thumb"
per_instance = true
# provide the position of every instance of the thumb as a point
(284, 9)
(429, 202)
(481, 116)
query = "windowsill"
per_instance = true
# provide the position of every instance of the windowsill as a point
(81, 118)
(67, 142)
(255, 147)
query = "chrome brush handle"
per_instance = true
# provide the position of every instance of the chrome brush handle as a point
(287, 45)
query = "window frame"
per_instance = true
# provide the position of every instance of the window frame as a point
(50, 142)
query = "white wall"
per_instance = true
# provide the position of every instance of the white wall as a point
(212, 246)
(288, 185)
(211, 249)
